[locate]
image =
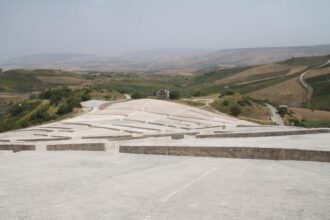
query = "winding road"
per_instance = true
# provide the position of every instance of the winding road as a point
(308, 87)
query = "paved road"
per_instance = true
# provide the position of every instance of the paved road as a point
(98, 185)
(276, 118)
(308, 87)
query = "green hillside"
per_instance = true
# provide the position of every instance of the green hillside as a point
(321, 91)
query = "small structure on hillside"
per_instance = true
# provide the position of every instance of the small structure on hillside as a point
(163, 94)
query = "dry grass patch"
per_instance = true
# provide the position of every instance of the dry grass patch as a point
(296, 69)
(309, 115)
(289, 92)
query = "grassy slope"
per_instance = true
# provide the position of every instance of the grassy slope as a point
(250, 109)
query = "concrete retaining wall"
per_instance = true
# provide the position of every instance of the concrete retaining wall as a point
(17, 147)
(255, 126)
(232, 152)
(82, 146)
(46, 139)
(264, 133)
(4, 140)
(108, 137)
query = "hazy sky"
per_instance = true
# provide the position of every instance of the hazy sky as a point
(108, 27)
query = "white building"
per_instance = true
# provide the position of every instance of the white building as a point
(163, 94)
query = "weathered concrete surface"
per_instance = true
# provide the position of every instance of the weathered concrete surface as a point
(99, 185)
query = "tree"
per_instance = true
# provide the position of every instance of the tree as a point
(64, 109)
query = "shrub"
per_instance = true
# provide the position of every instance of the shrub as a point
(74, 102)
(40, 116)
(55, 99)
(197, 93)
(137, 95)
(33, 96)
(225, 103)
(243, 102)
(230, 92)
(235, 110)
(86, 97)
(174, 95)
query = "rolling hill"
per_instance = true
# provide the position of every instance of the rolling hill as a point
(22, 81)
(277, 82)
(186, 61)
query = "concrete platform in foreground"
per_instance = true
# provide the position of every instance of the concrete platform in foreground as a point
(100, 185)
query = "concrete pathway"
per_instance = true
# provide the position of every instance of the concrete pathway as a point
(276, 118)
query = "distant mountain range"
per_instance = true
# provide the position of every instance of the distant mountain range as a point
(163, 60)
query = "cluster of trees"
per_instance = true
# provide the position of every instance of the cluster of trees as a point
(49, 105)
(65, 98)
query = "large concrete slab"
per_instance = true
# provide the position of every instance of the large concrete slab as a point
(99, 185)
(139, 117)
